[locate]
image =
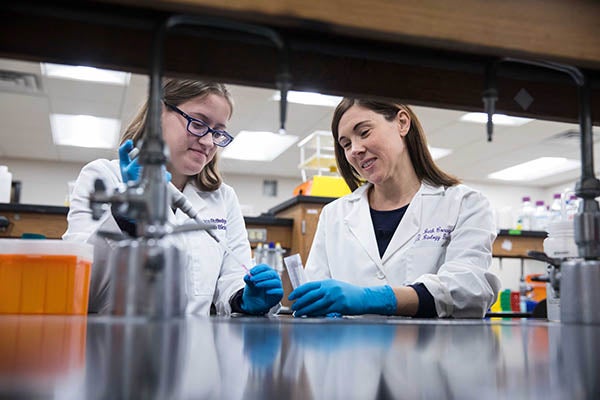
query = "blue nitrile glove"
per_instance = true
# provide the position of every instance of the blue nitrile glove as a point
(132, 170)
(330, 296)
(263, 290)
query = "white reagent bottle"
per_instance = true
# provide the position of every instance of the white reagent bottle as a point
(5, 184)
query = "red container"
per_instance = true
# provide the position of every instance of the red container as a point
(515, 301)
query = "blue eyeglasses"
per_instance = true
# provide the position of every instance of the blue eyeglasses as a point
(200, 128)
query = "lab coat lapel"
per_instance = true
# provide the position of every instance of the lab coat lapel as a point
(411, 222)
(358, 220)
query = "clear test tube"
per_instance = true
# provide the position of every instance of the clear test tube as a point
(295, 270)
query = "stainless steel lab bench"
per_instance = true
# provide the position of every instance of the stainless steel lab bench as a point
(287, 358)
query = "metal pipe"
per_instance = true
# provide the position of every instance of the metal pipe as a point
(490, 95)
(283, 78)
(152, 151)
(578, 278)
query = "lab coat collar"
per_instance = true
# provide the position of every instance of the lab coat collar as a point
(411, 222)
(427, 189)
(360, 224)
(424, 189)
(358, 221)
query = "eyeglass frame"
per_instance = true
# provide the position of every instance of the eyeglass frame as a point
(204, 124)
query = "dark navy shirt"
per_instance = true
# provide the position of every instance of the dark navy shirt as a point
(385, 224)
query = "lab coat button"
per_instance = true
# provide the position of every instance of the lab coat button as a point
(380, 275)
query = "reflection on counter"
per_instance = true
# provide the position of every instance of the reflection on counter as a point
(280, 357)
(40, 355)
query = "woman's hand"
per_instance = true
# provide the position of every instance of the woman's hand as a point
(263, 290)
(130, 169)
(331, 296)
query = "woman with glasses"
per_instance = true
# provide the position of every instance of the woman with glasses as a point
(410, 239)
(194, 120)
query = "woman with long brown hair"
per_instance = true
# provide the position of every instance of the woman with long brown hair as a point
(410, 239)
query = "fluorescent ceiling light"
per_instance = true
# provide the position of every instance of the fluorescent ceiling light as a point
(438, 152)
(310, 98)
(498, 119)
(534, 169)
(258, 146)
(86, 73)
(84, 131)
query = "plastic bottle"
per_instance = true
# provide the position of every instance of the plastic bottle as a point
(555, 208)
(274, 257)
(572, 207)
(270, 259)
(540, 217)
(71, 186)
(259, 254)
(525, 215)
(5, 184)
(560, 244)
(278, 265)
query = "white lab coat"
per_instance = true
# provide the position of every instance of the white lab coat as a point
(212, 276)
(443, 241)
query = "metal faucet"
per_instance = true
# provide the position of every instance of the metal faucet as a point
(578, 280)
(147, 274)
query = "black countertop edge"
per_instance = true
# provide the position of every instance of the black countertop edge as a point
(268, 220)
(511, 232)
(300, 199)
(35, 208)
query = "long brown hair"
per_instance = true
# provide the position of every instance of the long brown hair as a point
(415, 140)
(177, 91)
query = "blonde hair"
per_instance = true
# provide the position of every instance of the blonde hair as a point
(177, 91)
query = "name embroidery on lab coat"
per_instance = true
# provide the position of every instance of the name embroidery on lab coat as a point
(220, 222)
(437, 234)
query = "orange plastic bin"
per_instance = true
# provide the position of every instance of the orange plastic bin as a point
(44, 276)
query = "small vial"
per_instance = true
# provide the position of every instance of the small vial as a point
(295, 270)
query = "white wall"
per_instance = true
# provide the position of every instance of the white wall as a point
(505, 201)
(43, 182)
(46, 183)
(249, 190)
